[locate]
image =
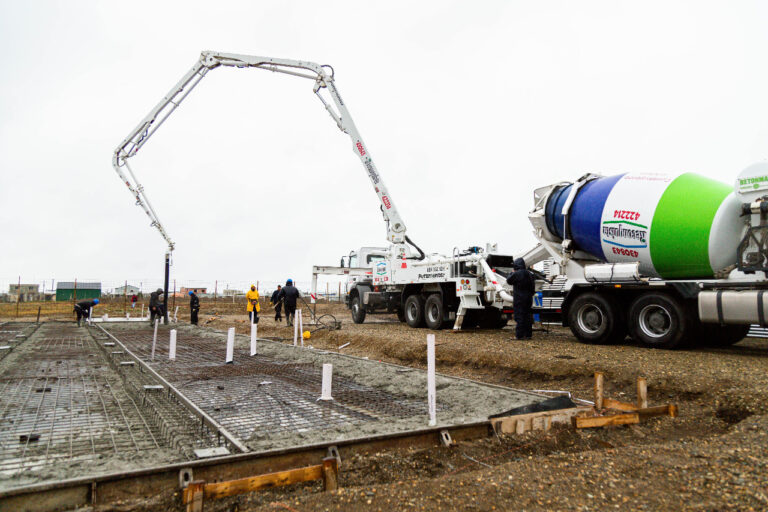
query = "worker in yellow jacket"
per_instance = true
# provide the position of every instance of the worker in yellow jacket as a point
(253, 304)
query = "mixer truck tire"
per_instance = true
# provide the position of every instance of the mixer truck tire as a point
(434, 312)
(658, 320)
(358, 309)
(595, 319)
(414, 311)
(713, 335)
(400, 315)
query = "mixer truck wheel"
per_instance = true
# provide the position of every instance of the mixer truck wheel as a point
(414, 311)
(658, 320)
(434, 311)
(358, 309)
(594, 319)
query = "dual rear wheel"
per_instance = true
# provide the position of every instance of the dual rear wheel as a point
(657, 320)
(419, 312)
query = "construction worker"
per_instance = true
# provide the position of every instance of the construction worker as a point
(277, 303)
(289, 294)
(83, 309)
(134, 298)
(523, 288)
(253, 304)
(156, 305)
(194, 307)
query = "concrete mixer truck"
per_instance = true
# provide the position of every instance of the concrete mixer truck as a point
(668, 259)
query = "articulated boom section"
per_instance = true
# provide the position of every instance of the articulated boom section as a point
(323, 78)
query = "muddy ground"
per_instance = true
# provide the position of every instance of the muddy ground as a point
(714, 456)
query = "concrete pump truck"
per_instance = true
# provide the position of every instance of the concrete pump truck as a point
(464, 289)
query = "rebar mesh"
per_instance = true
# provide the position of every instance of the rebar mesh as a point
(261, 396)
(62, 401)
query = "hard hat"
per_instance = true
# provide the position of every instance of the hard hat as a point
(290, 281)
(95, 301)
(306, 335)
(159, 290)
(191, 292)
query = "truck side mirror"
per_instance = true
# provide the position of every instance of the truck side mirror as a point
(342, 262)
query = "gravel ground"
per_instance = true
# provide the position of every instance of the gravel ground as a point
(712, 457)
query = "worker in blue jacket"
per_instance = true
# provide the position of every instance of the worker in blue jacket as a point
(523, 288)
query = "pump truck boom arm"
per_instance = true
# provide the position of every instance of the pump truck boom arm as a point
(323, 77)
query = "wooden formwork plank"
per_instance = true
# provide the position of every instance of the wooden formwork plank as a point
(604, 421)
(330, 474)
(661, 410)
(243, 485)
(543, 420)
(610, 403)
(642, 393)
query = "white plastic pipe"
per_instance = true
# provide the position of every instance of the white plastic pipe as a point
(431, 402)
(295, 329)
(327, 382)
(142, 311)
(172, 346)
(230, 345)
(154, 338)
(254, 335)
(301, 328)
(176, 315)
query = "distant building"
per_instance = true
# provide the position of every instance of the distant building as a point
(198, 290)
(127, 290)
(24, 292)
(232, 293)
(79, 291)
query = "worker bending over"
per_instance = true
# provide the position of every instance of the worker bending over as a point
(278, 305)
(83, 309)
(289, 295)
(523, 288)
(253, 304)
(156, 305)
(194, 307)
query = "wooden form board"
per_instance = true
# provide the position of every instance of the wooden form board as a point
(522, 423)
(197, 492)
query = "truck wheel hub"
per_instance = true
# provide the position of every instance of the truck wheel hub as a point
(655, 321)
(590, 318)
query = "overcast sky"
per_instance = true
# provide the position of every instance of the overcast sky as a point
(466, 107)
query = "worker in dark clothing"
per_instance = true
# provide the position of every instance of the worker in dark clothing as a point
(156, 305)
(289, 294)
(83, 309)
(277, 303)
(194, 307)
(523, 288)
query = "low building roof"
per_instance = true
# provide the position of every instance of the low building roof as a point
(64, 285)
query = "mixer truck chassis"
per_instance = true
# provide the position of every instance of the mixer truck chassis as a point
(658, 314)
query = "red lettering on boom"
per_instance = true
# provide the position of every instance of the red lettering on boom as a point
(360, 148)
